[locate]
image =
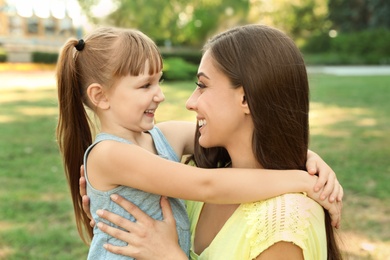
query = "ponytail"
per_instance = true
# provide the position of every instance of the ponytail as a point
(73, 129)
(106, 55)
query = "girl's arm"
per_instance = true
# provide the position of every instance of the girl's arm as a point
(282, 250)
(133, 166)
(180, 135)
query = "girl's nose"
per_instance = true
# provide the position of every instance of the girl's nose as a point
(159, 97)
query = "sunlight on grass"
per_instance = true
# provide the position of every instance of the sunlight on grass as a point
(322, 117)
(25, 66)
(5, 252)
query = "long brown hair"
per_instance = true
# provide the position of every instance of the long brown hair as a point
(106, 55)
(270, 68)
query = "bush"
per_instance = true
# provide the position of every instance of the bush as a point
(44, 57)
(179, 69)
(317, 43)
(3, 55)
(191, 56)
(364, 47)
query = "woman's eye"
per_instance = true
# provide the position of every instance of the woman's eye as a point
(200, 85)
(161, 80)
(146, 86)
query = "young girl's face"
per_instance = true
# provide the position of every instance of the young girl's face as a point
(134, 100)
(218, 106)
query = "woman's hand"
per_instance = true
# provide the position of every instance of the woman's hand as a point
(327, 182)
(85, 198)
(147, 238)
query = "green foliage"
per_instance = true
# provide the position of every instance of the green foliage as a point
(364, 47)
(178, 69)
(181, 22)
(189, 55)
(357, 15)
(3, 55)
(44, 57)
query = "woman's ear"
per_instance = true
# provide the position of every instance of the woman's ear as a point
(97, 96)
(244, 102)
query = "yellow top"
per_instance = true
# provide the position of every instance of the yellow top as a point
(254, 227)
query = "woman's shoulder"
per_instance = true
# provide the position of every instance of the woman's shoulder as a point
(284, 207)
(290, 217)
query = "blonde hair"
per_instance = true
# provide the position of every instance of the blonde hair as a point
(106, 55)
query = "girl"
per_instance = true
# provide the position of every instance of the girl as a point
(116, 73)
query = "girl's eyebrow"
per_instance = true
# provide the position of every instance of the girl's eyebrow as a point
(202, 74)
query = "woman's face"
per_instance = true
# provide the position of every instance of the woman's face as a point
(221, 112)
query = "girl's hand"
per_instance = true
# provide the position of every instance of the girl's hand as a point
(327, 182)
(85, 198)
(147, 238)
(334, 208)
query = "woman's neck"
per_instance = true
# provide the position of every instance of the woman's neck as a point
(243, 158)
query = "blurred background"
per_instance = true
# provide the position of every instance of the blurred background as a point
(329, 32)
(345, 43)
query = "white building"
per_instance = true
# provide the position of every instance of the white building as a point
(28, 26)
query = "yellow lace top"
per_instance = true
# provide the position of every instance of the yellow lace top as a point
(254, 227)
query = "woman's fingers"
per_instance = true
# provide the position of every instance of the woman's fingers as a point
(137, 213)
(87, 210)
(115, 232)
(167, 211)
(82, 182)
(117, 220)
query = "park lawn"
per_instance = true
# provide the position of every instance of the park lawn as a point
(349, 128)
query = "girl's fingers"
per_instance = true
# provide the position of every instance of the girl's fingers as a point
(341, 194)
(330, 184)
(336, 190)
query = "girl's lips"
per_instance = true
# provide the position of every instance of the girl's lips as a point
(150, 112)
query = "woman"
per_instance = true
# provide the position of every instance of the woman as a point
(116, 73)
(252, 87)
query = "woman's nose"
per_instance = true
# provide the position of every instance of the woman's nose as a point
(192, 100)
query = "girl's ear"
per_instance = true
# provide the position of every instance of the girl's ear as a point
(97, 96)
(243, 100)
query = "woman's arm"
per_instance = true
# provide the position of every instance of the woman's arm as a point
(282, 250)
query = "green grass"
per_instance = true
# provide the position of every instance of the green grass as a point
(350, 128)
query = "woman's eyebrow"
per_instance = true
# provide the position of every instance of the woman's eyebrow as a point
(202, 74)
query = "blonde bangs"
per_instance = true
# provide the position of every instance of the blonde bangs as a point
(131, 52)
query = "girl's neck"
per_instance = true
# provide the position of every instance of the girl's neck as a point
(135, 137)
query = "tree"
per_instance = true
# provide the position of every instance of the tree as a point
(178, 21)
(299, 18)
(359, 15)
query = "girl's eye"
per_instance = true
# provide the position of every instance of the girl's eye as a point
(200, 85)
